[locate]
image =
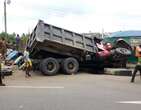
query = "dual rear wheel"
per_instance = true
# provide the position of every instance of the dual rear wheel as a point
(50, 66)
(70, 66)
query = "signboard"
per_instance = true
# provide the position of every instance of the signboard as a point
(135, 41)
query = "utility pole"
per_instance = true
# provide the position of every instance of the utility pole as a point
(5, 18)
(5, 14)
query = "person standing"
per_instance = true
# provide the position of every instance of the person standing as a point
(2, 56)
(18, 42)
(3, 47)
(1, 83)
(27, 63)
(138, 66)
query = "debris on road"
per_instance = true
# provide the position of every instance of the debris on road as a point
(118, 71)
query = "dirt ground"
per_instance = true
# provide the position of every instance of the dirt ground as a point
(18, 78)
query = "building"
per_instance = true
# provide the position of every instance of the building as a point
(132, 37)
(97, 34)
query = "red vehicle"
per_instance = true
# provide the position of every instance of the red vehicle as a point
(113, 55)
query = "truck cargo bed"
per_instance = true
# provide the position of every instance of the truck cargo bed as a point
(60, 41)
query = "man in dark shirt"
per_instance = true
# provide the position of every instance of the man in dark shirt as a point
(2, 57)
(1, 83)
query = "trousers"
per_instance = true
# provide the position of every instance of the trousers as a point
(137, 68)
(0, 75)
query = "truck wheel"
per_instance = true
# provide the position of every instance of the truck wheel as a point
(123, 51)
(70, 65)
(49, 66)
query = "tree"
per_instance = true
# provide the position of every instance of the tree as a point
(11, 39)
(24, 39)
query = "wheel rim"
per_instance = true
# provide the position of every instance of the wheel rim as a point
(123, 51)
(50, 66)
(70, 66)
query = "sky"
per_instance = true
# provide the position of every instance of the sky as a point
(80, 16)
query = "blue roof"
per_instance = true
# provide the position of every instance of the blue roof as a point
(126, 34)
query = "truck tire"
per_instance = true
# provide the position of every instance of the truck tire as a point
(49, 66)
(123, 51)
(70, 66)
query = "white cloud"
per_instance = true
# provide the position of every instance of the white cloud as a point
(76, 15)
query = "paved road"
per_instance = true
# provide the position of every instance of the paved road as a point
(74, 92)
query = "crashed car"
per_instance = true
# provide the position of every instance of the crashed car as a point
(113, 55)
(13, 57)
(6, 70)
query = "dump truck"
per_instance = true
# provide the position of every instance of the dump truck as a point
(53, 48)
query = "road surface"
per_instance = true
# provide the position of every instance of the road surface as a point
(70, 92)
